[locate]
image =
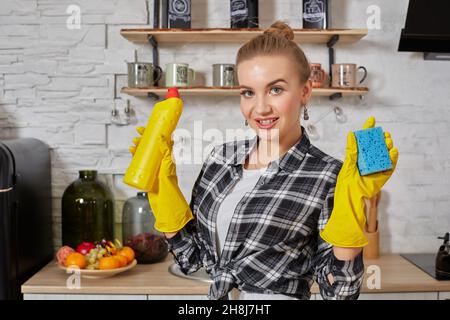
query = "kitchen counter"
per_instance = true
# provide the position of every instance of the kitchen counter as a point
(155, 281)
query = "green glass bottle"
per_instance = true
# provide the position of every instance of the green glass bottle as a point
(87, 210)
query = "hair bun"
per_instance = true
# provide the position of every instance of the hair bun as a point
(280, 29)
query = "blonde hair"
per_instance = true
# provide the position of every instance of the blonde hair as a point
(276, 40)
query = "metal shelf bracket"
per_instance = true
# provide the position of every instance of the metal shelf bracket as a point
(153, 96)
(152, 41)
(336, 96)
(331, 58)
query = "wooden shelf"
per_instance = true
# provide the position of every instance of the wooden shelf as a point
(219, 35)
(234, 91)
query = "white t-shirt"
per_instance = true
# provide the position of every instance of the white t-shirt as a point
(224, 216)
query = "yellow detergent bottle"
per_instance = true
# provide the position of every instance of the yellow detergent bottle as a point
(146, 161)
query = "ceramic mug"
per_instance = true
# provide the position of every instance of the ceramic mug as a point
(224, 75)
(344, 75)
(318, 75)
(143, 74)
(177, 74)
(191, 77)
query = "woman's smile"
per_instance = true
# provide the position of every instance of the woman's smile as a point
(266, 123)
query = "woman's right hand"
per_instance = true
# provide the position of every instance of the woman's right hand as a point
(137, 140)
(167, 202)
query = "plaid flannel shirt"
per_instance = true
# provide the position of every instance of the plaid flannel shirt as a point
(273, 243)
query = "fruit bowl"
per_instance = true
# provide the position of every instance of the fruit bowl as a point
(98, 274)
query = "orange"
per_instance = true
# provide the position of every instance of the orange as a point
(108, 263)
(127, 252)
(76, 259)
(122, 259)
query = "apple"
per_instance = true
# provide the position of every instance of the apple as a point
(85, 247)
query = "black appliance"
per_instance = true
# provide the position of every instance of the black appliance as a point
(25, 213)
(424, 261)
(427, 29)
(443, 259)
(436, 265)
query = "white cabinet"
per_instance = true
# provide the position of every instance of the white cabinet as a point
(399, 296)
(177, 297)
(362, 296)
(444, 295)
(45, 296)
(393, 296)
(40, 296)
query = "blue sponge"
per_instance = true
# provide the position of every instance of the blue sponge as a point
(373, 154)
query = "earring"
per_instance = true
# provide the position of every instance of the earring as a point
(305, 113)
(246, 122)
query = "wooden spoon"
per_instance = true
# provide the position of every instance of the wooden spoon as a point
(372, 212)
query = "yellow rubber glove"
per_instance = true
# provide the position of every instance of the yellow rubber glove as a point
(167, 202)
(345, 228)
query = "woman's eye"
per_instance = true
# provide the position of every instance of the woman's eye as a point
(246, 93)
(276, 90)
(273, 90)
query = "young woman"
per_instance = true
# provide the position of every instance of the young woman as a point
(269, 216)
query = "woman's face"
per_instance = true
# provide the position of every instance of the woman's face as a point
(272, 96)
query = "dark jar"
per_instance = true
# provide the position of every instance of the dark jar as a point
(87, 210)
(316, 14)
(244, 14)
(138, 230)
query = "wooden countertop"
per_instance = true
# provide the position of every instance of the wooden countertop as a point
(397, 275)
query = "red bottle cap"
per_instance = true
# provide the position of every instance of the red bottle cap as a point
(172, 93)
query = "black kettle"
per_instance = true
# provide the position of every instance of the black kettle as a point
(443, 259)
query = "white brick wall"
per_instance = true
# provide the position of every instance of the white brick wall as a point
(58, 85)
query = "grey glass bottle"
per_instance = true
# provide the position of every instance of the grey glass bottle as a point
(139, 233)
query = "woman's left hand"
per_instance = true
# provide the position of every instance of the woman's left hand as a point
(367, 186)
(345, 227)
